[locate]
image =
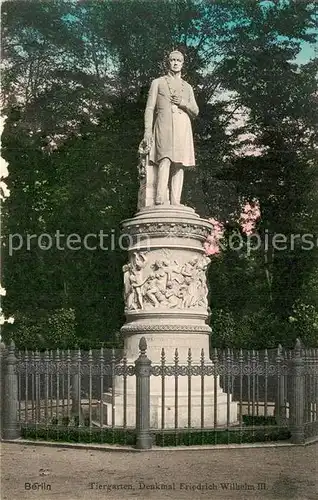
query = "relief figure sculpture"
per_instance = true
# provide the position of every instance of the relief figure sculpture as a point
(157, 283)
(134, 281)
(173, 294)
(168, 284)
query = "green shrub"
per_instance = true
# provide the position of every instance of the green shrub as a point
(304, 323)
(166, 438)
(79, 434)
(44, 330)
(258, 420)
(214, 437)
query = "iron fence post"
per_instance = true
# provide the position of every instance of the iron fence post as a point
(10, 402)
(280, 403)
(2, 371)
(76, 409)
(297, 403)
(143, 368)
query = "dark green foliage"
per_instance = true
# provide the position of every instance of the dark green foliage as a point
(54, 329)
(79, 435)
(71, 135)
(214, 437)
(166, 438)
(264, 289)
(258, 420)
(70, 421)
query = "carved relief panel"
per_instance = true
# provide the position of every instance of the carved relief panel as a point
(156, 279)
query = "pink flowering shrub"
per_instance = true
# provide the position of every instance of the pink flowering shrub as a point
(250, 214)
(212, 243)
(248, 218)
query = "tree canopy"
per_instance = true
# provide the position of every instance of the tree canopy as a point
(75, 82)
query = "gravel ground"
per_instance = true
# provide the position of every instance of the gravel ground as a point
(70, 474)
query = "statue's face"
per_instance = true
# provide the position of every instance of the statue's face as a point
(176, 62)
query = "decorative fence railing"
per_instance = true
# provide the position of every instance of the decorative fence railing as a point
(276, 388)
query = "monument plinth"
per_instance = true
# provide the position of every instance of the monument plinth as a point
(166, 301)
(165, 287)
(165, 282)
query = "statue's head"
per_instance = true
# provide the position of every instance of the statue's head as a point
(176, 60)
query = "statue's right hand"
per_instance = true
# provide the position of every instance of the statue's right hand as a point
(145, 145)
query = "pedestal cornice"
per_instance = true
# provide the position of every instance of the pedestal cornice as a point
(167, 221)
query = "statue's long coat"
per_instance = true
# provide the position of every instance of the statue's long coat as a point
(171, 125)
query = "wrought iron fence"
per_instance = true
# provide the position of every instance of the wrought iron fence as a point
(101, 389)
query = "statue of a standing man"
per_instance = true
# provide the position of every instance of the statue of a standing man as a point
(168, 132)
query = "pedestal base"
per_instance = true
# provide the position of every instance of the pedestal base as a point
(226, 411)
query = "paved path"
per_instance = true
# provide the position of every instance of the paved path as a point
(68, 474)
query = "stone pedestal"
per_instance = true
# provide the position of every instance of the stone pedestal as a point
(166, 302)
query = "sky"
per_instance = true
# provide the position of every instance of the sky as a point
(307, 52)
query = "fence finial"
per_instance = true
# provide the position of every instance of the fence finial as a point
(113, 359)
(11, 356)
(298, 344)
(228, 355)
(176, 356)
(163, 355)
(189, 355)
(142, 345)
(202, 356)
(241, 356)
(279, 353)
